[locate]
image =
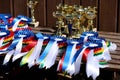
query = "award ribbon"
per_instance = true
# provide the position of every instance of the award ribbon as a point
(36, 52)
(46, 51)
(65, 62)
(87, 47)
(16, 44)
(30, 48)
(25, 34)
(17, 20)
(52, 54)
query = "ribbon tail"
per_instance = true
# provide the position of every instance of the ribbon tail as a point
(92, 66)
(35, 53)
(25, 58)
(71, 67)
(19, 56)
(44, 54)
(107, 55)
(17, 50)
(8, 56)
(50, 59)
(78, 62)
(58, 67)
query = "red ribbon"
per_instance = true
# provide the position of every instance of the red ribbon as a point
(61, 63)
(85, 54)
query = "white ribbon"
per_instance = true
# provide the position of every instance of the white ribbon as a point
(92, 66)
(35, 54)
(18, 50)
(112, 46)
(8, 56)
(78, 62)
(51, 57)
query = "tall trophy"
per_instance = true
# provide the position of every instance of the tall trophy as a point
(31, 4)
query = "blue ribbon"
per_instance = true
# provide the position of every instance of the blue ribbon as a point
(67, 56)
(25, 19)
(48, 47)
(39, 36)
(26, 32)
(68, 52)
(90, 32)
(46, 50)
(3, 17)
(95, 39)
(87, 34)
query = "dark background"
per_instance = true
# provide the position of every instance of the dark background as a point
(108, 17)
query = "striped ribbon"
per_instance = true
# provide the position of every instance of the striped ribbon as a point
(66, 60)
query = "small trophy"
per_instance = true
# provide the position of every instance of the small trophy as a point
(31, 4)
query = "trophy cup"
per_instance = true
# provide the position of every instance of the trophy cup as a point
(90, 15)
(31, 4)
(79, 20)
(68, 15)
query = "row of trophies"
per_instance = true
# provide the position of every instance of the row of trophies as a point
(72, 20)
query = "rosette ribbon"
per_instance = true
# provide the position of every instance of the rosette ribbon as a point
(65, 63)
(4, 21)
(92, 64)
(48, 57)
(103, 53)
(16, 45)
(32, 55)
(84, 36)
(37, 50)
(19, 19)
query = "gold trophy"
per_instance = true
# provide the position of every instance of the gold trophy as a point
(60, 22)
(79, 19)
(31, 4)
(90, 15)
(68, 15)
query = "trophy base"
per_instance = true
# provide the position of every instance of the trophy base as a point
(34, 24)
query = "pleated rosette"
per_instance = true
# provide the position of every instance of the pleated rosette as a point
(15, 47)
